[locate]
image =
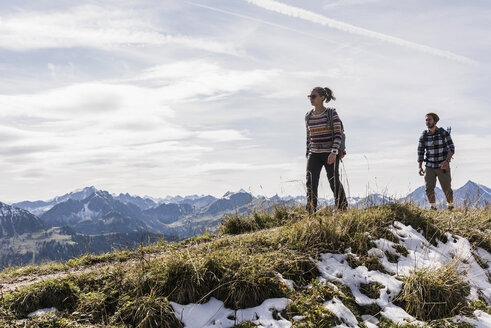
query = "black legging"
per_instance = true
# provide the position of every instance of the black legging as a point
(315, 162)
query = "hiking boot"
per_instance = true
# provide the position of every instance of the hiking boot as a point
(450, 207)
(433, 208)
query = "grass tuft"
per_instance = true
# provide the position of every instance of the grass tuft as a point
(430, 294)
(235, 224)
(149, 311)
(60, 294)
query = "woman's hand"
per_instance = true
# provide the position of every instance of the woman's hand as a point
(331, 159)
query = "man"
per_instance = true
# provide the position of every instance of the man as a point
(439, 148)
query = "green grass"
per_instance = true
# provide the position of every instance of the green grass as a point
(430, 294)
(52, 293)
(240, 266)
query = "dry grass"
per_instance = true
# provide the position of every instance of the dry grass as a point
(430, 294)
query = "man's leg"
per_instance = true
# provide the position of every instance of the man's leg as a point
(335, 184)
(430, 183)
(314, 167)
(445, 179)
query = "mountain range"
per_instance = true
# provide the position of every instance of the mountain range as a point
(94, 221)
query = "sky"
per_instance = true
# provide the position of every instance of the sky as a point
(183, 97)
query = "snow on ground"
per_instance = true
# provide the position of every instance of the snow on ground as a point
(482, 320)
(335, 268)
(215, 314)
(341, 311)
(41, 312)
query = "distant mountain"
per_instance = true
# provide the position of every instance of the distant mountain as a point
(229, 202)
(15, 221)
(199, 202)
(26, 239)
(470, 194)
(418, 197)
(373, 200)
(168, 213)
(39, 207)
(111, 222)
(142, 203)
(196, 201)
(99, 210)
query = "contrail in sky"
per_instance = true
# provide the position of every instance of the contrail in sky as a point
(322, 20)
(258, 20)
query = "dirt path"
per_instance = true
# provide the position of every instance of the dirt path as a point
(9, 284)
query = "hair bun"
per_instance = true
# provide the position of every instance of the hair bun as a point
(329, 94)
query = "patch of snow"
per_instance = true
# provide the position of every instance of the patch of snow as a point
(482, 320)
(214, 314)
(87, 214)
(421, 254)
(334, 267)
(42, 311)
(289, 283)
(342, 312)
(370, 321)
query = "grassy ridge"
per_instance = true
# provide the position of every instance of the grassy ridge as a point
(239, 266)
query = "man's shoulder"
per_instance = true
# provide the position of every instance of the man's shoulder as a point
(443, 132)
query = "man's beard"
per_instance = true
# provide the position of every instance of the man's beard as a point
(431, 126)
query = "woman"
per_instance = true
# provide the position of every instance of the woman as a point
(324, 139)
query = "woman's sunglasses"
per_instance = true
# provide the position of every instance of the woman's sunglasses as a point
(311, 96)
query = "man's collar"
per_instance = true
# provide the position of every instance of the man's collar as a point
(436, 128)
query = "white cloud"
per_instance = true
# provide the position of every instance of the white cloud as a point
(332, 23)
(222, 135)
(195, 79)
(342, 3)
(93, 26)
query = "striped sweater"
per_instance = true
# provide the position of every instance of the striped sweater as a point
(320, 138)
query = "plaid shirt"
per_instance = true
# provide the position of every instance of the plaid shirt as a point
(437, 147)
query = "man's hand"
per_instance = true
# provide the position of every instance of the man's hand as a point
(444, 165)
(331, 159)
(421, 171)
(341, 154)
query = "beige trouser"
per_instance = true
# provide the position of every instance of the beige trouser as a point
(445, 181)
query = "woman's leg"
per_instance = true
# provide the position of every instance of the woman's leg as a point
(314, 167)
(336, 186)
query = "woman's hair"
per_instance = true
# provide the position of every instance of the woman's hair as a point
(325, 92)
